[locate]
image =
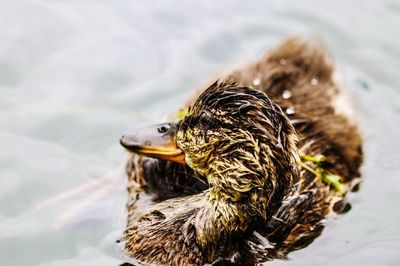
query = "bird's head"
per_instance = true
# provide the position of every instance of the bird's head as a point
(235, 136)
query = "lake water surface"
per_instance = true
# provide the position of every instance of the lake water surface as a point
(75, 75)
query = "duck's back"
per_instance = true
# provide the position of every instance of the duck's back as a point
(298, 75)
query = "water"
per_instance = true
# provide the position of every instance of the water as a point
(75, 75)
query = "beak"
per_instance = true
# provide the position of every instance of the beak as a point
(158, 141)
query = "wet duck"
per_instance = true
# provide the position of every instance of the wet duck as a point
(250, 170)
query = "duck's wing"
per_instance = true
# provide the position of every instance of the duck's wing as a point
(165, 233)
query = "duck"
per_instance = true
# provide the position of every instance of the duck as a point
(250, 169)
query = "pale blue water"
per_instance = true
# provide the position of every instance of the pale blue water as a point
(75, 75)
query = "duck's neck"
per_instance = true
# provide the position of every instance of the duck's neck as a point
(250, 189)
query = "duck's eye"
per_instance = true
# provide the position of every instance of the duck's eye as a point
(162, 129)
(203, 119)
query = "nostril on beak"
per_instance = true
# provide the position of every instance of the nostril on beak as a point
(121, 140)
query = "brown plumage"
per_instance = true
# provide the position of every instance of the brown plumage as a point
(243, 183)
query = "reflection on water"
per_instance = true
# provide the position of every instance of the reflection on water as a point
(74, 75)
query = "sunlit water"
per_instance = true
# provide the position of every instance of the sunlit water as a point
(75, 75)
